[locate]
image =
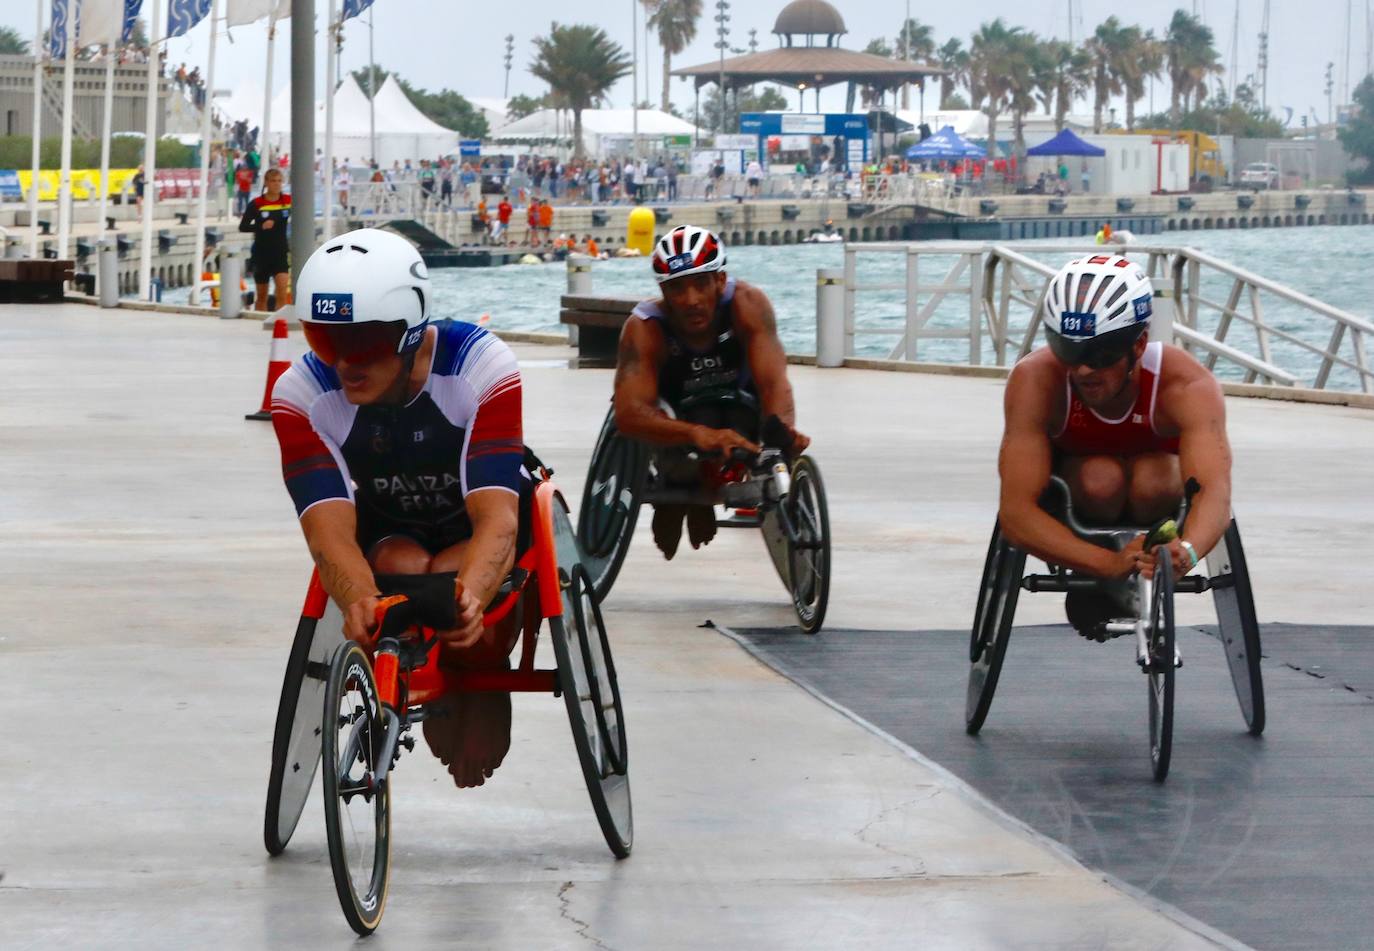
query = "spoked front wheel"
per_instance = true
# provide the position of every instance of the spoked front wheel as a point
(1237, 625)
(809, 557)
(1160, 667)
(586, 677)
(357, 808)
(993, 615)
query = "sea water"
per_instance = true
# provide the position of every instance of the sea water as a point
(1329, 263)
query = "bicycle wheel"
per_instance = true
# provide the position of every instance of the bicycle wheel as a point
(610, 503)
(608, 787)
(1237, 625)
(986, 589)
(596, 656)
(296, 737)
(1160, 668)
(357, 809)
(808, 559)
(998, 611)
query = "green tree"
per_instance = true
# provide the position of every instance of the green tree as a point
(915, 43)
(953, 58)
(1025, 67)
(1190, 58)
(1357, 137)
(1144, 61)
(764, 99)
(1065, 75)
(1107, 49)
(517, 107)
(582, 64)
(990, 87)
(445, 107)
(11, 43)
(676, 23)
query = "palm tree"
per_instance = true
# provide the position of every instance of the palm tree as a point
(1023, 66)
(953, 58)
(915, 43)
(676, 23)
(1065, 75)
(1106, 49)
(11, 43)
(581, 64)
(1145, 60)
(992, 46)
(1190, 58)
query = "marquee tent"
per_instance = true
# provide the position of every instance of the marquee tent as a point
(601, 128)
(1066, 143)
(947, 145)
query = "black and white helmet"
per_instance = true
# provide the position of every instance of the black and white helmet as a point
(1095, 309)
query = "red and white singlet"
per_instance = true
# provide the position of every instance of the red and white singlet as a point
(1086, 433)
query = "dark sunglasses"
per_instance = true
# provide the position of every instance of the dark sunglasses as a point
(356, 343)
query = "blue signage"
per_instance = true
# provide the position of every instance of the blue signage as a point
(470, 147)
(9, 185)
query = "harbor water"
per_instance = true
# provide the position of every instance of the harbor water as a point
(1328, 263)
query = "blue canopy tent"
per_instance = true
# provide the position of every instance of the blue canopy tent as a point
(1066, 143)
(945, 145)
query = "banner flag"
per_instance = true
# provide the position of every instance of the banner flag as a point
(99, 22)
(184, 14)
(352, 8)
(243, 12)
(57, 31)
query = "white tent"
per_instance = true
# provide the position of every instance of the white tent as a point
(403, 131)
(601, 128)
(493, 110)
(973, 123)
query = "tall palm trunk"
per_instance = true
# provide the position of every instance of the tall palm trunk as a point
(577, 133)
(667, 75)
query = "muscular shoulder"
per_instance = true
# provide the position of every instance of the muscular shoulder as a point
(753, 311)
(468, 354)
(1188, 392)
(1035, 389)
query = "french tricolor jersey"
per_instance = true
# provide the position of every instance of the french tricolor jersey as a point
(412, 464)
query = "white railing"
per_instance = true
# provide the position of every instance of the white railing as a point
(988, 295)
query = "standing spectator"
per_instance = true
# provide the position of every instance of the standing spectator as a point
(627, 177)
(1087, 177)
(446, 185)
(754, 175)
(341, 182)
(1063, 177)
(503, 213)
(266, 218)
(532, 224)
(546, 219)
(426, 176)
(138, 182)
(672, 179)
(243, 187)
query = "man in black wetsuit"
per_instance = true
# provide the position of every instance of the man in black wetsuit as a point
(709, 350)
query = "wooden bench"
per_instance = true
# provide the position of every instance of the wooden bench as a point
(598, 321)
(24, 281)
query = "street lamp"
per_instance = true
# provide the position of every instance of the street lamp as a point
(510, 50)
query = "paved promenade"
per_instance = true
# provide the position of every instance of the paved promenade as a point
(154, 573)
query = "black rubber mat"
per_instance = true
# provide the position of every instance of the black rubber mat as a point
(1266, 839)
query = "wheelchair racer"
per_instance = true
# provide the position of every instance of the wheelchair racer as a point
(402, 450)
(1124, 420)
(708, 350)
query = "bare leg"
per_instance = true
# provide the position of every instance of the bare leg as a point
(1097, 485)
(260, 297)
(1156, 486)
(283, 295)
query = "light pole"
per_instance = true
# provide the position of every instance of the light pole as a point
(722, 44)
(1330, 85)
(510, 51)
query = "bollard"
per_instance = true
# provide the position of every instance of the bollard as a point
(830, 317)
(230, 277)
(579, 282)
(14, 247)
(107, 272)
(155, 290)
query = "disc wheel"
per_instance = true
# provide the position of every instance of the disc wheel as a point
(993, 615)
(296, 737)
(1237, 625)
(1160, 668)
(610, 504)
(809, 557)
(357, 809)
(586, 678)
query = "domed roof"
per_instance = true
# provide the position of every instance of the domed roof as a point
(809, 17)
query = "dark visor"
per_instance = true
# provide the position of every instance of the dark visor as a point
(356, 343)
(1095, 352)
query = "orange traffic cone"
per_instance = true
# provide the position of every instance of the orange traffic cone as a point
(277, 362)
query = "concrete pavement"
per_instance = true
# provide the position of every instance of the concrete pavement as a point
(153, 574)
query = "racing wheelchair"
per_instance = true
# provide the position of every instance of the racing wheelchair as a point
(786, 501)
(1144, 609)
(355, 707)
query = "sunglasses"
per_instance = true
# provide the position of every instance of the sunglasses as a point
(356, 343)
(1095, 357)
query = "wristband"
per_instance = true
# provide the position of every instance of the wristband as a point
(1192, 552)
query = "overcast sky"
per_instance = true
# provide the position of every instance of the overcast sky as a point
(460, 44)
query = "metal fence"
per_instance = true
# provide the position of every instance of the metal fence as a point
(935, 296)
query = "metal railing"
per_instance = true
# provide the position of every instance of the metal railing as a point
(989, 294)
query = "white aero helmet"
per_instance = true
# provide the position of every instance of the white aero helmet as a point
(363, 295)
(686, 250)
(1095, 309)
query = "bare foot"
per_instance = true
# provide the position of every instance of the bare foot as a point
(470, 735)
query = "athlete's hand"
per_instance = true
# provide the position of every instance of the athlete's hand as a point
(799, 441)
(722, 441)
(1177, 554)
(268, 225)
(470, 629)
(1130, 559)
(360, 619)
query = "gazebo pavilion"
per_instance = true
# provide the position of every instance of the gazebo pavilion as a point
(810, 58)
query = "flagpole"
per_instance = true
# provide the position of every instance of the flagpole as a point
(302, 134)
(37, 126)
(105, 137)
(330, 53)
(64, 190)
(371, 92)
(205, 156)
(145, 260)
(265, 133)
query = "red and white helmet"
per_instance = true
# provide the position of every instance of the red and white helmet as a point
(686, 250)
(1095, 308)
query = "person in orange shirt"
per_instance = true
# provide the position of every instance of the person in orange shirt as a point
(545, 218)
(593, 249)
(532, 224)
